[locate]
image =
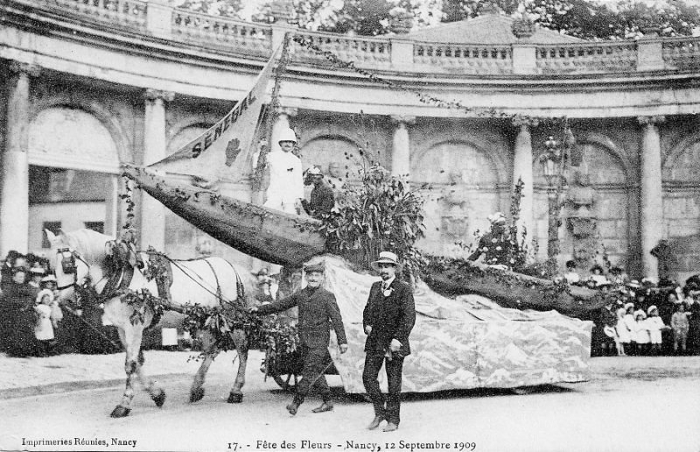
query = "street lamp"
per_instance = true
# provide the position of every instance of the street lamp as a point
(553, 160)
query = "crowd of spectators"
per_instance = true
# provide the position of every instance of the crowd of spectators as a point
(33, 323)
(642, 317)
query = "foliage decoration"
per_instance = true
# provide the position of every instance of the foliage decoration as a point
(383, 213)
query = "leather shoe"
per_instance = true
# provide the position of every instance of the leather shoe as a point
(325, 406)
(390, 427)
(292, 408)
(375, 423)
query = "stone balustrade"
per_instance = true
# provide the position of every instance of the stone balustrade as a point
(130, 13)
(470, 59)
(619, 56)
(387, 53)
(364, 52)
(681, 53)
(233, 35)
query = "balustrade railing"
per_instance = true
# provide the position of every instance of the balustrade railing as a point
(463, 58)
(367, 52)
(234, 35)
(587, 57)
(116, 12)
(681, 53)
(246, 38)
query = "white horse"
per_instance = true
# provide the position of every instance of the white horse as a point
(207, 282)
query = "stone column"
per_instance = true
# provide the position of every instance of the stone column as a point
(522, 169)
(401, 150)
(154, 149)
(651, 192)
(281, 123)
(14, 197)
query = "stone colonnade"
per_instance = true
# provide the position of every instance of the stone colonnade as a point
(14, 210)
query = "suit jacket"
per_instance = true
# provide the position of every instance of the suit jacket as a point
(391, 317)
(318, 311)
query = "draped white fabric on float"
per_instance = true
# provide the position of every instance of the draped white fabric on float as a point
(225, 151)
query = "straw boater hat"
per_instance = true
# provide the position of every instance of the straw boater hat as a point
(651, 309)
(386, 257)
(37, 271)
(639, 312)
(628, 305)
(48, 278)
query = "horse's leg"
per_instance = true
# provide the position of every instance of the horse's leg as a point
(131, 339)
(240, 340)
(210, 352)
(157, 394)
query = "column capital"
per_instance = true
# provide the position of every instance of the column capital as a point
(290, 112)
(406, 120)
(155, 94)
(519, 121)
(29, 69)
(651, 120)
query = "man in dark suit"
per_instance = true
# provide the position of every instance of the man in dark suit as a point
(318, 311)
(387, 319)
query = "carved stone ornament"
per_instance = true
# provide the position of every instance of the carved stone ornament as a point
(155, 94)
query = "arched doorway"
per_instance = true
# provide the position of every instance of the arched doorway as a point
(602, 177)
(460, 188)
(73, 174)
(338, 157)
(681, 205)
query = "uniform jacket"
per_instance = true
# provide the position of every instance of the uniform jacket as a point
(391, 317)
(321, 200)
(318, 311)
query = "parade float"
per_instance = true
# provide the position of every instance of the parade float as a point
(291, 240)
(461, 343)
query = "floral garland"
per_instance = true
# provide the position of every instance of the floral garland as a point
(422, 97)
(271, 333)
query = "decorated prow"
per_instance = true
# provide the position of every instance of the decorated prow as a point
(266, 234)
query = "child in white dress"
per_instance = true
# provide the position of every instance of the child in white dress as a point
(655, 325)
(624, 335)
(43, 330)
(641, 333)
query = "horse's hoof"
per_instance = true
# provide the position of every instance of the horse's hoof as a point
(120, 411)
(235, 398)
(196, 395)
(160, 398)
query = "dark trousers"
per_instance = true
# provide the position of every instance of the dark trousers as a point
(389, 407)
(316, 361)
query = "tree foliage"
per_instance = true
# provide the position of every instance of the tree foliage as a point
(589, 19)
(586, 19)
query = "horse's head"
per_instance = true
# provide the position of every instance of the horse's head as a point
(77, 255)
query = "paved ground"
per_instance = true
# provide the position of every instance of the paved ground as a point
(631, 404)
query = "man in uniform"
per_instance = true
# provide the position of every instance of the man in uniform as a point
(388, 319)
(322, 199)
(498, 246)
(318, 311)
(286, 188)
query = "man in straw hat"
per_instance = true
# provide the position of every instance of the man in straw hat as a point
(318, 311)
(388, 319)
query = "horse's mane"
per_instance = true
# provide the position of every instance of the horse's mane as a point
(90, 244)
